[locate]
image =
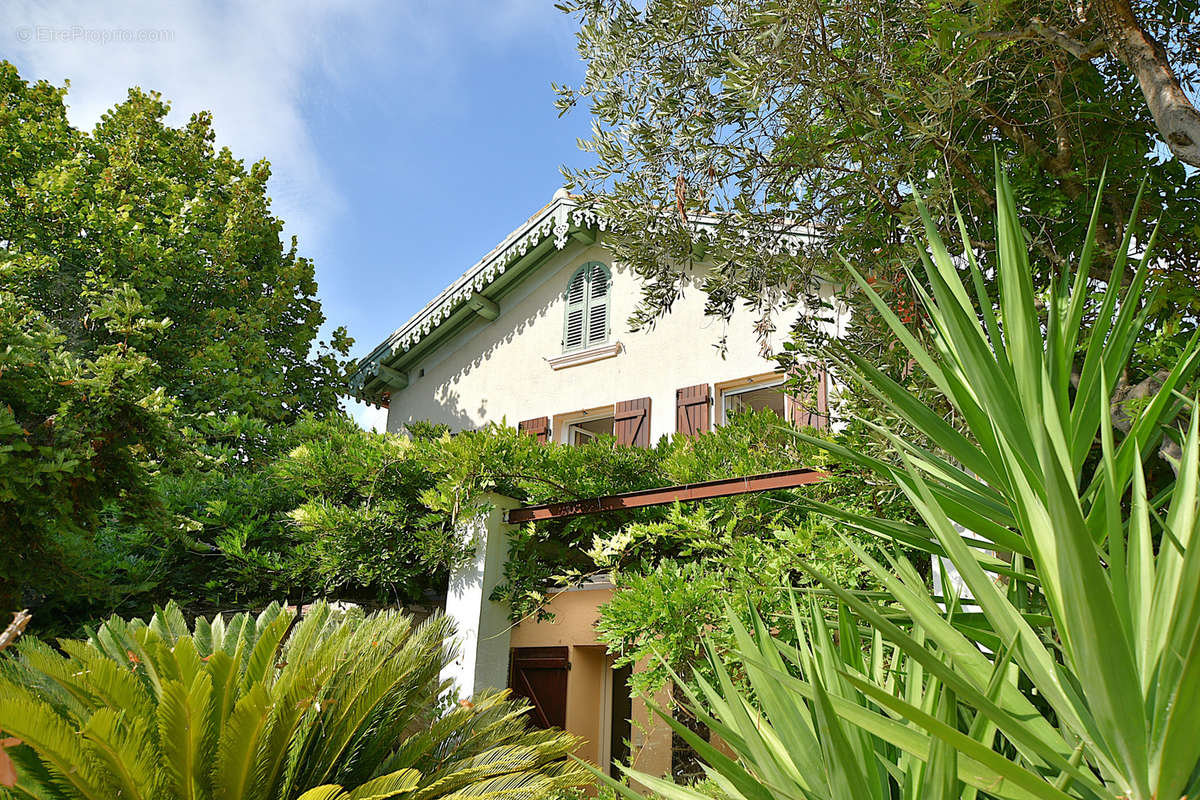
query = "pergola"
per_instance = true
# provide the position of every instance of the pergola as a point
(688, 492)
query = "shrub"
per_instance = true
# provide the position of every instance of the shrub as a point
(1079, 675)
(265, 707)
(325, 509)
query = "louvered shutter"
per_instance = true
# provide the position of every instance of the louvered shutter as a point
(597, 305)
(691, 409)
(538, 427)
(574, 326)
(631, 422)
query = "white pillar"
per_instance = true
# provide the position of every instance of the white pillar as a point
(482, 625)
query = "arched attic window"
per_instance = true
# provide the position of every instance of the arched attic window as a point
(586, 322)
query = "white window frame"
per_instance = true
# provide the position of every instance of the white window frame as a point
(576, 434)
(753, 385)
(567, 425)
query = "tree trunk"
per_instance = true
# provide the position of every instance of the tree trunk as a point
(1175, 116)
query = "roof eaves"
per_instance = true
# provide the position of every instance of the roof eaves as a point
(555, 219)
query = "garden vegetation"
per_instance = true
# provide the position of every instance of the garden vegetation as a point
(172, 449)
(1077, 674)
(267, 706)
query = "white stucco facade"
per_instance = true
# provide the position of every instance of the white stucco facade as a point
(501, 369)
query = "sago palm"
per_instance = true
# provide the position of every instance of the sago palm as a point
(1079, 676)
(265, 708)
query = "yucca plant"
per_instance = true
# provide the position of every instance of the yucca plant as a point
(803, 730)
(1044, 473)
(1079, 676)
(267, 708)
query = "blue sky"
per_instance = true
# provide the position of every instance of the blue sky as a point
(406, 138)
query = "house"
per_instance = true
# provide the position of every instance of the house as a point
(536, 334)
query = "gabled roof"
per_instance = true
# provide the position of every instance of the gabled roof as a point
(477, 291)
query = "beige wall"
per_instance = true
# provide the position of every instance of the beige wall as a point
(575, 613)
(498, 370)
(586, 705)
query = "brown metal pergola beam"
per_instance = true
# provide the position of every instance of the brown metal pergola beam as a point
(787, 479)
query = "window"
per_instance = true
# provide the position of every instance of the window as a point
(581, 427)
(627, 421)
(586, 321)
(585, 430)
(806, 408)
(754, 394)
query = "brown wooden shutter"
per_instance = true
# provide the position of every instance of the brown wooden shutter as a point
(811, 408)
(691, 409)
(822, 420)
(539, 674)
(539, 427)
(631, 422)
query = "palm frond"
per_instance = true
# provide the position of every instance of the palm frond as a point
(256, 708)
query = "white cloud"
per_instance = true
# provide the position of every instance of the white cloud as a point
(249, 64)
(260, 66)
(266, 68)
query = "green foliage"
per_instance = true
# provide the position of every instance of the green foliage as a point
(186, 227)
(781, 117)
(664, 610)
(1078, 676)
(320, 508)
(325, 509)
(364, 519)
(74, 434)
(265, 707)
(146, 294)
(678, 567)
(221, 540)
(712, 533)
(663, 614)
(1053, 482)
(812, 733)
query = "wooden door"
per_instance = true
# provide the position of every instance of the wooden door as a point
(539, 674)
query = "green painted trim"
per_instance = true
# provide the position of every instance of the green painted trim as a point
(488, 309)
(393, 378)
(516, 273)
(584, 235)
(464, 314)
